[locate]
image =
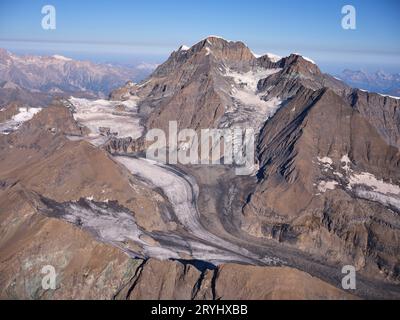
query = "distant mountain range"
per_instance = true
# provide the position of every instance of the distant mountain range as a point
(379, 81)
(38, 78)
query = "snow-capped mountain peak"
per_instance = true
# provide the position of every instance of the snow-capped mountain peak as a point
(60, 57)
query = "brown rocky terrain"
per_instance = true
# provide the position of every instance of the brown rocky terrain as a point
(88, 269)
(76, 193)
(310, 152)
(85, 268)
(382, 112)
(41, 159)
(333, 222)
(9, 110)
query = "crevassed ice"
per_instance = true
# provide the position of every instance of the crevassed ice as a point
(305, 58)
(381, 94)
(181, 191)
(251, 78)
(369, 180)
(103, 113)
(115, 227)
(380, 198)
(256, 110)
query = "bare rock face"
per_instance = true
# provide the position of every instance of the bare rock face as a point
(311, 154)
(235, 282)
(87, 269)
(56, 118)
(186, 85)
(11, 93)
(297, 72)
(383, 112)
(124, 92)
(174, 280)
(165, 280)
(206, 85)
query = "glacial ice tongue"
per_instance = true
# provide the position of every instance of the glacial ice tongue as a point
(182, 191)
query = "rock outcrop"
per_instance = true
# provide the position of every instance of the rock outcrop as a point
(383, 112)
(308, 152)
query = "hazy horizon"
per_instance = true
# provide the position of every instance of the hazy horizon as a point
(133, 59)
(128, 32)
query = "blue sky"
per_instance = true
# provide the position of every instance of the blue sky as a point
(127, 31)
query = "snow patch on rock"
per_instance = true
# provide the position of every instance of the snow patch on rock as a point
(24, 114)
(393, 97)
(62, 58)
(361, 184)
(323, 186)
(305, 58)
(184, 48)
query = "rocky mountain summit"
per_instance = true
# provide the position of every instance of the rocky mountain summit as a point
(324, 193)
